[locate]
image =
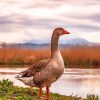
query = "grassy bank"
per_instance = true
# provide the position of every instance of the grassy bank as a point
(10, 92)
(80, 57)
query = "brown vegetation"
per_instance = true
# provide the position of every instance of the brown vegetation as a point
(73, 56)
(21, 56)
(82, 56)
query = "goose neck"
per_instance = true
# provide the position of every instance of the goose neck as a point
(54, 44)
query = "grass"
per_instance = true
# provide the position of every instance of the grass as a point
(80, 57)
(10, 92)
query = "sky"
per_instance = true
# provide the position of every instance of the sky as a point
(34, 20)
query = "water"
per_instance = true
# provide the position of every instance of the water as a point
(73, 82)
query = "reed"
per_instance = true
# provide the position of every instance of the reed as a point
(73, 56)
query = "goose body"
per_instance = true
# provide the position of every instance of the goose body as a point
(44, 72)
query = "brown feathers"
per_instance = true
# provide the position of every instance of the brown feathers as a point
(36, 67)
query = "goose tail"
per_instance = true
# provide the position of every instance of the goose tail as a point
(26, 80)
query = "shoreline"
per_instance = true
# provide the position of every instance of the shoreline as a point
(15, 92)
(72, 81)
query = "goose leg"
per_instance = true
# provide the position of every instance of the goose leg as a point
(48, 93)
(40, 91)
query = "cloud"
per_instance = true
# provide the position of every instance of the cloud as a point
(12, 37)
(92, 37)
(95, 17)
(35, 20)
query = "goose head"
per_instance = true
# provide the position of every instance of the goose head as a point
(60, 31)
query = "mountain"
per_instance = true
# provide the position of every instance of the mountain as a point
(71, 42)
(78, 41)
(24, 45)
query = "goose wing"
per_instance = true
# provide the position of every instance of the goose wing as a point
(36, 67)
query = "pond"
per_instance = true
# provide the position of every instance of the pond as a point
(74, 82)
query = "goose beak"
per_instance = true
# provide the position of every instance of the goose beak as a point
(66, 32)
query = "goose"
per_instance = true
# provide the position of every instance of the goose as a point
(44, 72)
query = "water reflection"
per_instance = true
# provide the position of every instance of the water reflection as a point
(74, 81)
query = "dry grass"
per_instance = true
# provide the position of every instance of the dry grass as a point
(21, 56)
(74, 56)
(82, 56)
